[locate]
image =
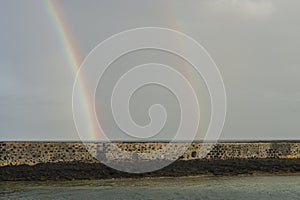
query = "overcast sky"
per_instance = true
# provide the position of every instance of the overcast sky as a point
(255, 44)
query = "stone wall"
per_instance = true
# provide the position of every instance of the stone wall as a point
(31, 153)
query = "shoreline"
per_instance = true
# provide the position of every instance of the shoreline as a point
(72, 171)
(158, 178)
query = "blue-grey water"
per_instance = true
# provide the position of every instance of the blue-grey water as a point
(244, 187)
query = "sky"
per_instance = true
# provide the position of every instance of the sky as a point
(255, 44)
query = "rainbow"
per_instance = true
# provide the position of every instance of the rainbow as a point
(68, 45)
(73, 58)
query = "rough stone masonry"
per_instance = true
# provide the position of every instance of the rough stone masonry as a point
(32, 153)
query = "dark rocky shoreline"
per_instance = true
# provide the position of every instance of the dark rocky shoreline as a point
(96, 171)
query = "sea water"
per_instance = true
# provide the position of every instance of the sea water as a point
(236, 187)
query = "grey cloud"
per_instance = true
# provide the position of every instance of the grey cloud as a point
(255, 44)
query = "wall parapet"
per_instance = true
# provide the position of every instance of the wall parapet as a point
(31, 153)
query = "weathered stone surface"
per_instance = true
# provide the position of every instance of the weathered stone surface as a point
(32, 153)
